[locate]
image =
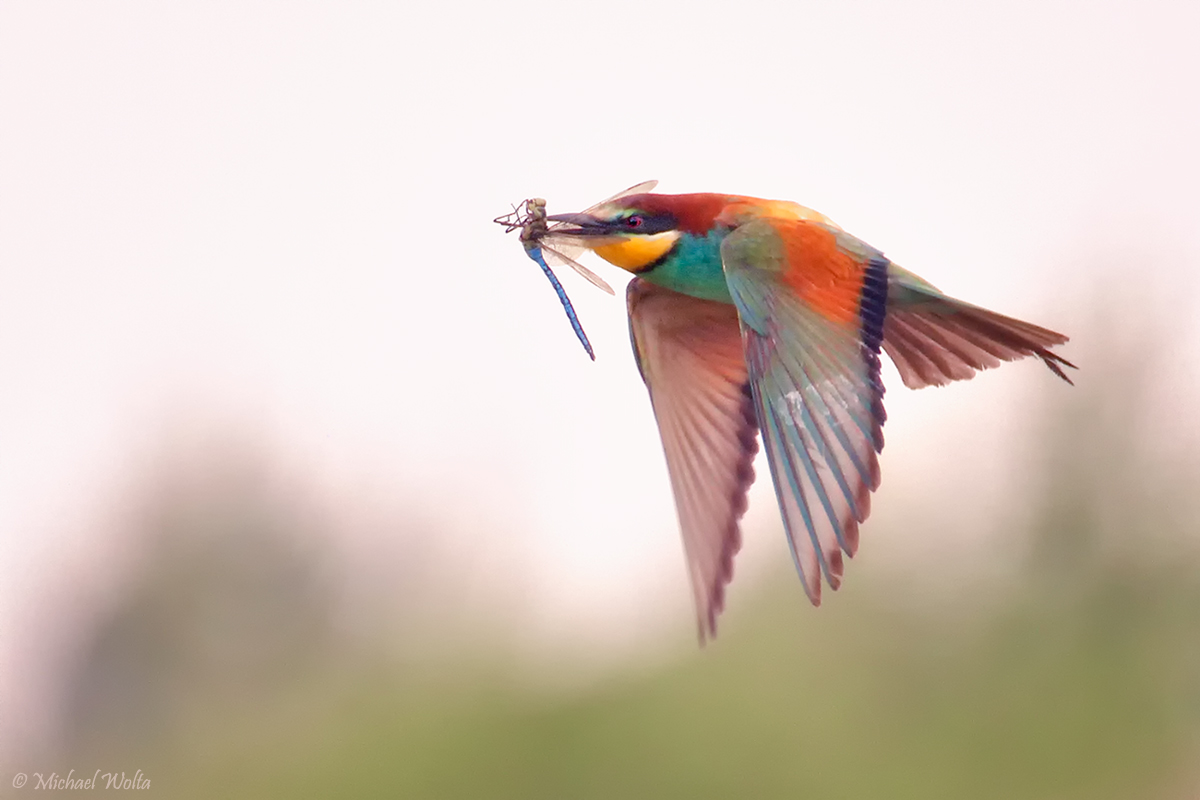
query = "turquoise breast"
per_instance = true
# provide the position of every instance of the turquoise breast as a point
(693, 267)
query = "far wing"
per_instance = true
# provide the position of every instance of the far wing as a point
(689, 352)
(811, 301)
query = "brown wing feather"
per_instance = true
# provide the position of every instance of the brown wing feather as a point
(945, 340)
(690, 354)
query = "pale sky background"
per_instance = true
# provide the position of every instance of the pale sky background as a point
(275, 218)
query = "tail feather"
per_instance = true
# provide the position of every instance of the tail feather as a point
(924, 359)
(940, 340)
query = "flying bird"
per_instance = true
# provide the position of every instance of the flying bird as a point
(751, 316)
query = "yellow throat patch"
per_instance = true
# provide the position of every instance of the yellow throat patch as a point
(634, 253)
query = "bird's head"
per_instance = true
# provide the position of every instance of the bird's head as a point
(637, 231)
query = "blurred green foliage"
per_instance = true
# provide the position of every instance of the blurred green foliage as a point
(859, 702)
(1082, 681)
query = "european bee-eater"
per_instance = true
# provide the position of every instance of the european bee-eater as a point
(751, 315)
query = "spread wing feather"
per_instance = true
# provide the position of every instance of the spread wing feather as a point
(689, 352)
(814, 375)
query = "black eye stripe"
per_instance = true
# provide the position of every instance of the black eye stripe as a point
(646, 223)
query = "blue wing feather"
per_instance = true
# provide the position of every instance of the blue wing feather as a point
(818, 394)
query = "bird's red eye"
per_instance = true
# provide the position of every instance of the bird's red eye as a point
(635, 221)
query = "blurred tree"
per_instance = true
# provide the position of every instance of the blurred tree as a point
(230, 599)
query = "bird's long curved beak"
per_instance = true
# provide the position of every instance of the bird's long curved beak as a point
(584, 225)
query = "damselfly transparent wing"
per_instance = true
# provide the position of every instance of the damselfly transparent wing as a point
(563, 253)
(637, 188)
(546, 246)
(530, 218)
(563, 250)
(560, 251)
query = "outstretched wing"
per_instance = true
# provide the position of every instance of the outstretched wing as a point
(689, 352)
(811, 301)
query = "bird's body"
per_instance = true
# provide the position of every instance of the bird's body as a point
(750, 316)
(688, 259)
